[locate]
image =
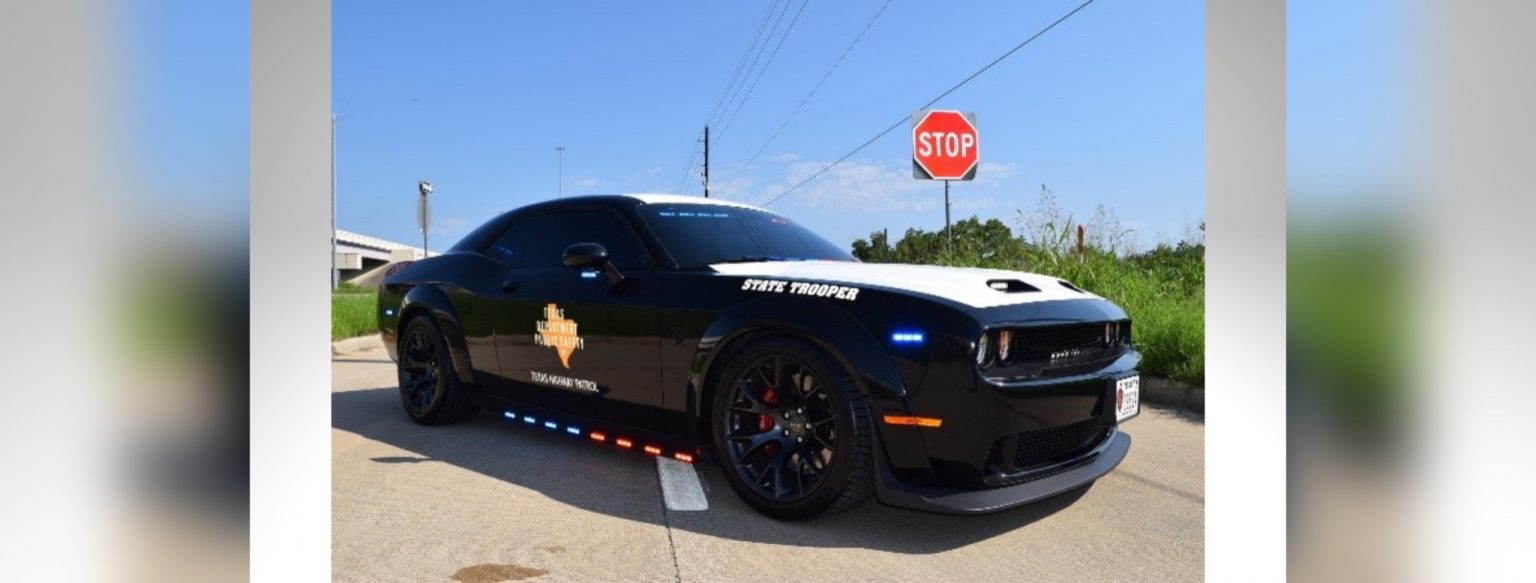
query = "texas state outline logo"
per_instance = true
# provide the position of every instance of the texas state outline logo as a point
(558, 332)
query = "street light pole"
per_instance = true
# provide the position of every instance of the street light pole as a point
(335, 274)
(424, 213)
(560, 171)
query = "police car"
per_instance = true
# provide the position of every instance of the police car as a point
(697, 328)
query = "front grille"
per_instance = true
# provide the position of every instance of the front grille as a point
(1043, 447)
(1058, 343)
(1054, 351)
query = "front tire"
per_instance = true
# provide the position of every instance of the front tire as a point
(792, 432)
(429, 389)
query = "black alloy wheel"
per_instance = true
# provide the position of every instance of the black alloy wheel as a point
(419, 362)
(792, 431)
(782, 433)
(429, 391)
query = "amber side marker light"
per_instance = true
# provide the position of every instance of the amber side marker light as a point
(653, 450)
(914, 421)
(683, 457)
(624, 443)
(598, 436)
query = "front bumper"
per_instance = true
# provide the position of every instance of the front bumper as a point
(1050, 482)
(1002, 444)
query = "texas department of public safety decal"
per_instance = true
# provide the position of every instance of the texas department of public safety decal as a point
(559, 333)
(800, 288)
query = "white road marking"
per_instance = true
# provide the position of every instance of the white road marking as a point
(680, 486)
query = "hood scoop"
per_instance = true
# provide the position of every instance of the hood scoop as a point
(1011, 286)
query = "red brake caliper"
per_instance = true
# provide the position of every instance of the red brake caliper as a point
(765, 422)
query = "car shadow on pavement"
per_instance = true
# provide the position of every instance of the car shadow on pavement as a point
(623, 484)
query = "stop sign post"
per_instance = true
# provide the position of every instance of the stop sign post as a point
(945, 146)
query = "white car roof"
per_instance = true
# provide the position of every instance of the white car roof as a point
(657, 198)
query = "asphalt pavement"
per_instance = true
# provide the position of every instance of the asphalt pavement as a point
(492, 500)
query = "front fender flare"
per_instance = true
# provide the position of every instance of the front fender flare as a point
(431, 300)
(821, 322)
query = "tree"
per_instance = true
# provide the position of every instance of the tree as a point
(990, 243)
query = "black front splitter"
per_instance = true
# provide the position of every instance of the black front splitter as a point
(892, 492)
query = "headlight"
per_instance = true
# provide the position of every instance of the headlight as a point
(984, 350)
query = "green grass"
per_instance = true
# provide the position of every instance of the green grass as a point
(354, 313)
(1350, 319)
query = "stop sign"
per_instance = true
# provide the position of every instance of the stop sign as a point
(945, 145)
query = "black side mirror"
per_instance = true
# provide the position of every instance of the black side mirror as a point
(589, 255)
(585, 255)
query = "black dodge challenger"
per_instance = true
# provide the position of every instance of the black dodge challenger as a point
(681, 327)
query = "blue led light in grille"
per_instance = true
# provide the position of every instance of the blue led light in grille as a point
(907, 337)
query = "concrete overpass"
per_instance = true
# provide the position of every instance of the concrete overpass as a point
(358, 254)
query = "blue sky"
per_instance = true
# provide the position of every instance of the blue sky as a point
(1350, 116)
(185, 65)
(1107, 108)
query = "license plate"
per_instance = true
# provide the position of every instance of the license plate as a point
(1127, 398)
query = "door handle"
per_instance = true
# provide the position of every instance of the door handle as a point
(511, 285)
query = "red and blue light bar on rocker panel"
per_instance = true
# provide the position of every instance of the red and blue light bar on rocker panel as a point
(597, 436)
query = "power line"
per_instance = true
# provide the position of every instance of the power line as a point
(730, 100)
(742, 61)
(941, 96)
(730, 89)
(727, 126)
(687, 169)
(808, 96)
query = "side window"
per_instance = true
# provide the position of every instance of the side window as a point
(540, 241)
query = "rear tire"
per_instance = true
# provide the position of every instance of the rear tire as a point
(430, 391)
(791, 431)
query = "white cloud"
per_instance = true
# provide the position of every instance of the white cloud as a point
(738, 189)
(866, 186)
(585, 182)
(450, 226)
(785, 157)
(995, 172)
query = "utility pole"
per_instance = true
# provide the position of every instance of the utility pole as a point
(706, 161)
(560, 165)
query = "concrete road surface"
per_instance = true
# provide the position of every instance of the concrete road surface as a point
(490, 500)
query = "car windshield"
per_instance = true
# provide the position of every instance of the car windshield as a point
(702, 234)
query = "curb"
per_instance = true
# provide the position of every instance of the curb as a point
(356, 344)
(1173, 394)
